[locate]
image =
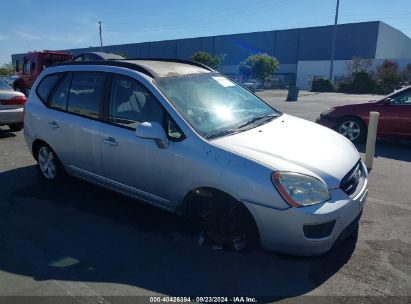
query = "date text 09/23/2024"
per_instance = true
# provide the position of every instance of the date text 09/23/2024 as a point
(167, 299)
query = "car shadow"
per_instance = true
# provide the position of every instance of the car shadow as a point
(393, 149)
(74, 231)
(6, 133)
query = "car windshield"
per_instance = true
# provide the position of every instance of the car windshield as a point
(214, 105)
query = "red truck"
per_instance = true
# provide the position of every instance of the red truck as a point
(33, 64)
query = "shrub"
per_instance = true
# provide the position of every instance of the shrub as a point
(321, 84)
(360, 83)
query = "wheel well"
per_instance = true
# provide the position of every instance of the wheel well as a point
(194, 200)
(36, 146)
(339, 120)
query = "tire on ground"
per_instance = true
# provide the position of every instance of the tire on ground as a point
(48, 163)
(352, 128)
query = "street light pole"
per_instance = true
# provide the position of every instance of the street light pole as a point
(333, 43)
(101, 37)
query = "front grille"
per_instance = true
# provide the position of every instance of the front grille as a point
(351, 180)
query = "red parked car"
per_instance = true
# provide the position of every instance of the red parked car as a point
(352, 120)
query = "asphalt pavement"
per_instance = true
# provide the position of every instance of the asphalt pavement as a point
(75, 242)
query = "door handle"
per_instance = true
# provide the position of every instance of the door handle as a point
(54, 125)
(110, 141)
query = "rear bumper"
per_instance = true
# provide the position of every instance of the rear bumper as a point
(285, 230)
(326, 122)
(11, 116)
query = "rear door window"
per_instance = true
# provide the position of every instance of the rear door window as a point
(46, 86)
(59, 99)
(86, 93)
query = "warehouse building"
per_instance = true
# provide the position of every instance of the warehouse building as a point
(302, 52)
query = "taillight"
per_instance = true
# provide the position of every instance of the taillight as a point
(16, 100)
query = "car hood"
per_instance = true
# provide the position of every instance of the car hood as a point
(293, 144)
(357, 105)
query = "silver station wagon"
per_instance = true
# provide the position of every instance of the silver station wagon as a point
(181, 136)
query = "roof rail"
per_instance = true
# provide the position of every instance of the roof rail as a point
(190, 62)
(115, 62)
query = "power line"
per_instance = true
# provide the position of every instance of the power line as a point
(206, 15)
(227, 16)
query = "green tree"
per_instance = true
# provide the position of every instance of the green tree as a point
(388, 76)
(244, 69)
(207, 59)
(260, 66)
(7, 69)
(358, 64)
(406, 73)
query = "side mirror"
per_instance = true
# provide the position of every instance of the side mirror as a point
(387, 101)
(153, 130)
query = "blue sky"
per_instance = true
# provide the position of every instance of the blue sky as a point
(28, 25)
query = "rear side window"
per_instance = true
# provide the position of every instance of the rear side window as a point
(86, 93)
(46, 86)
(60, 95)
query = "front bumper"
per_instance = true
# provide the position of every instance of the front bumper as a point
(283, 230)
(11, 116)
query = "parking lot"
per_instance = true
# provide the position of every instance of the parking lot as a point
(75, 239)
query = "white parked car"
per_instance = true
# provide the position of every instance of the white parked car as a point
(181, 136)
(11, 107)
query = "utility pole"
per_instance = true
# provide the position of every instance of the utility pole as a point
(101, 37)
(333, 43)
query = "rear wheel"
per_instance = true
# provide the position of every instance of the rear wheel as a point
(48, 163)
(16, 127)
(352, 128)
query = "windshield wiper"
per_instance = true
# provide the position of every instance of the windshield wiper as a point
(263, 118)
(221, 133)
(239, 129)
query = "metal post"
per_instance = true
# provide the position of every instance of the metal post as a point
(101, 37)
(371, 138)
(333, 43)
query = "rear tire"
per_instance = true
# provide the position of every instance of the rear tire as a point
(353, 128)
(16, 127)
(49, 165)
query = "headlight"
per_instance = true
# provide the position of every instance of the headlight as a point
(300, 190)
(327, 112)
